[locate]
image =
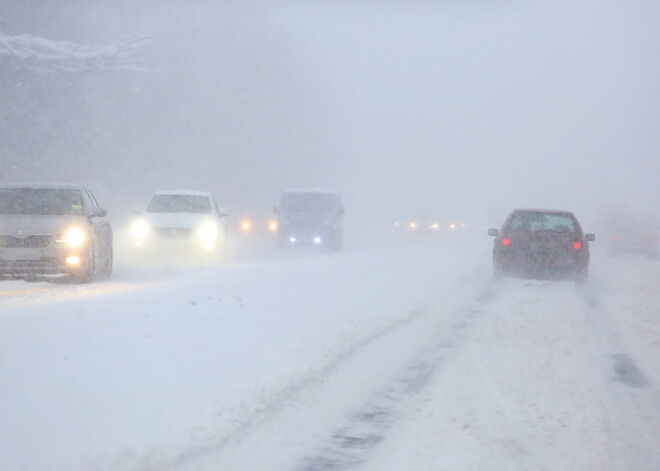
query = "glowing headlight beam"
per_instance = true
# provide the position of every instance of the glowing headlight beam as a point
(208, 231)
(140, 229)
(75, 237)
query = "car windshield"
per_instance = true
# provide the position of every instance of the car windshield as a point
(41, 201)
(541, 221)
(310, 202)
(179, 204)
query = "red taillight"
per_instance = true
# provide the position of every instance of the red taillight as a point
(577, 245)
(506, 241)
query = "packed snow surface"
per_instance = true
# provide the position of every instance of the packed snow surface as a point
(408, 357)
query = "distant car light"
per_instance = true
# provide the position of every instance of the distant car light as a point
(317, 240)
(246, 225)
(272, 226)
(140, 229)
(292, 240)
(506, 241)
(413, 225)
(75, 237)
(577, 245)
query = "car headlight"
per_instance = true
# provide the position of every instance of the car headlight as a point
(140, 229)
(75, 237)
(246, 225)
(208, 231)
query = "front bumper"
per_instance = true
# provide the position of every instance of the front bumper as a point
(18, 262)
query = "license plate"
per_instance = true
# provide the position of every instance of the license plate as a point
(11, 254)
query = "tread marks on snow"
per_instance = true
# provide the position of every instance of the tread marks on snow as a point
(363, 431)
(627, 372)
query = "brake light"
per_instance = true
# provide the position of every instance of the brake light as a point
(506, 241)
(577, 245)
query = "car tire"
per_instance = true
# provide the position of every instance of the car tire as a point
(106, 271)
(581, 276)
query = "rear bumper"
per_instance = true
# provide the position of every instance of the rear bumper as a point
(541, 266)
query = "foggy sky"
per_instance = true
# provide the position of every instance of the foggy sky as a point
(435, 108)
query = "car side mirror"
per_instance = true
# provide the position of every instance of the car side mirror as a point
(493, 232)
(589, 237)
(223, 212)
(98, 213)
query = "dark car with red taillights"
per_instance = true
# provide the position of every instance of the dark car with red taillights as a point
(541, 244)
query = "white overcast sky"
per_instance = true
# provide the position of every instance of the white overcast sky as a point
(447, 107)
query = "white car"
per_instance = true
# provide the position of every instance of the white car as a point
(181, 221)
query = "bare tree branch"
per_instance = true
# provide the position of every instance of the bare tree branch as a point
(41, 55)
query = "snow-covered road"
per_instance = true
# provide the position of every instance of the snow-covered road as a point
(386, 359)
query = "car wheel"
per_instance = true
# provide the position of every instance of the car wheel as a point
(581, 276)
(106, 271)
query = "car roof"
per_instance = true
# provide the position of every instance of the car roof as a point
(183, 193)
(311, 190)
(48, 186)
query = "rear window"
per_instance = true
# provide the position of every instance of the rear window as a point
(41, 201)
(541, 221)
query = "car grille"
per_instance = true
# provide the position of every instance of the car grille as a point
(173, 232)
(29, 242)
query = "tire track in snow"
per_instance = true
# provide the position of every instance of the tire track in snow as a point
(275, 403)
(364, 430)
(632, 400)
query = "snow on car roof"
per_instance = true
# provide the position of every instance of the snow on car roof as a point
(183, 192)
